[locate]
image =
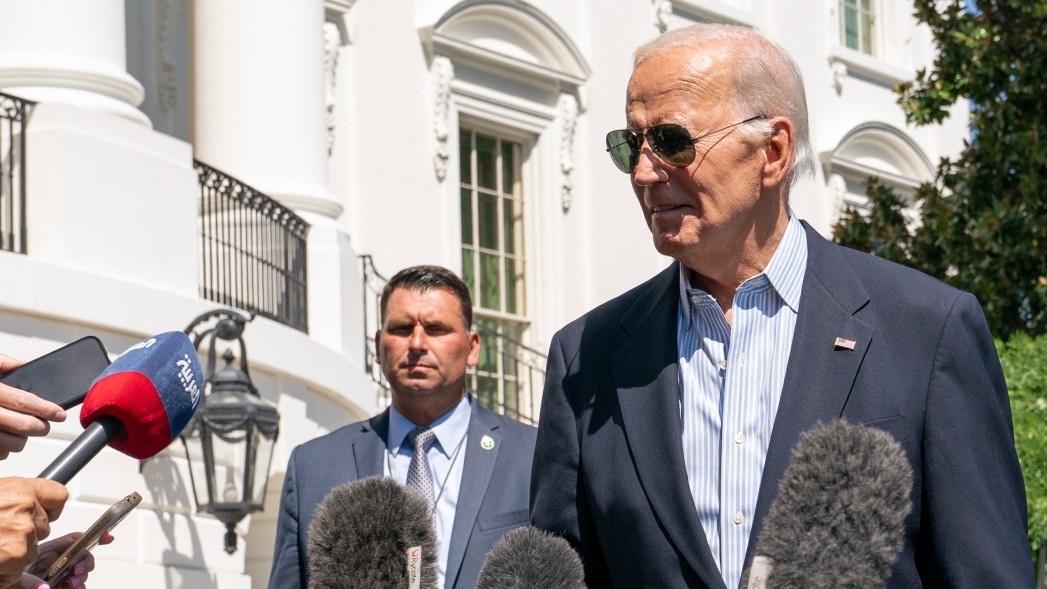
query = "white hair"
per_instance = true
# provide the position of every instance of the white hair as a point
(765, 79)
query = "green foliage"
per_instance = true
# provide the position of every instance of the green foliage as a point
(983, 221)
(883, 231)
(1024, 361)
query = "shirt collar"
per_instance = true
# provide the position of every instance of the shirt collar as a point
(784, 271)
(449, 428)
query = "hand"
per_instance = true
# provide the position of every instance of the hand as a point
(27, 506)
(22, 414)
(49, 552)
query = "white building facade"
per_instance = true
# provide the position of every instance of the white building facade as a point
(462, 133)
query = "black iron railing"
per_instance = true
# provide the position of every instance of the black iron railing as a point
(253, 250)
(509, 376)
(508, 379)
(13, 111)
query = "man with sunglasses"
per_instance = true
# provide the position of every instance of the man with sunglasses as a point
(670, 412)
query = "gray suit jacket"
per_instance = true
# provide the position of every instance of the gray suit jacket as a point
(609, 470)
(491, 501)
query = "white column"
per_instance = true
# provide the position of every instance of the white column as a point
(69, 52)
(259, 88)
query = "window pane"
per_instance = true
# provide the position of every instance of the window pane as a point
(488, 362)
(509, 224)
(508, 168)
(493, 264)
(511, 391)
(866, 33)
(469, 271)
(465, 157)
(489, 298)
(486, 170)
(488, 220)
(467, 216)
(850, 27)
(487, 392)
(511, 280)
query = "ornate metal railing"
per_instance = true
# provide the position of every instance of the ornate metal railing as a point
(253, 250)
(508, 379)
(13, 111)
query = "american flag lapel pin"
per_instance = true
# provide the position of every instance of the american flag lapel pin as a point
(844, 344)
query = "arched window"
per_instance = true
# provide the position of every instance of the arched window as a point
(876, 149)
(508, 84)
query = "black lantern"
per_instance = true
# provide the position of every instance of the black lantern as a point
(229, 442)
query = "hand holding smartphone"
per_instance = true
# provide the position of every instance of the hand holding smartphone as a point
(61, 569)
(64, 375)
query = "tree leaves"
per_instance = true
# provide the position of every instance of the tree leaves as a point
(983, 221)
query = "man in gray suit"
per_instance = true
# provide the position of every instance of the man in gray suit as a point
(479, 462)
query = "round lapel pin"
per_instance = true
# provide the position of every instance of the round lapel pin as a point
(487, 442)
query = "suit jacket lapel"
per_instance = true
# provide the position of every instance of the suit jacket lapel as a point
(478, 467)
(820, 374)
(647, 376)
(369, 450)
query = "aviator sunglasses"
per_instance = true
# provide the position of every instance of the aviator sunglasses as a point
(672, 144)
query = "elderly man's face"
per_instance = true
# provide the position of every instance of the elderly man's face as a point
(708, 210)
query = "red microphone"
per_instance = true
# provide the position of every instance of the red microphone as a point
(138, 405)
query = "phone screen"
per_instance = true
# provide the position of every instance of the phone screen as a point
(60, 569)
(64, 375)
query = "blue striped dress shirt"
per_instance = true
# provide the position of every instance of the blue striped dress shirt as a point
(730, 382)
(451, 429)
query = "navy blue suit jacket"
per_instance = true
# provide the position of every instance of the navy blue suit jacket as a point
(609, 470)
(492, 499)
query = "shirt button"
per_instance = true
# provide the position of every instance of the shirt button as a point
(738, 517)
(739, 438)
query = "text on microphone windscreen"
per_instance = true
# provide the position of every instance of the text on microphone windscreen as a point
(153, 389)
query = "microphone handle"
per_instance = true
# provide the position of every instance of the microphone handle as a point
(83, 449)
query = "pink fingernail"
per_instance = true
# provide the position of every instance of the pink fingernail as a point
(43, 586)
(79, 570)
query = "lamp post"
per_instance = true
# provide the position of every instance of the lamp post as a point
(229, 442)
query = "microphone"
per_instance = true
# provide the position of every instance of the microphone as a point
(138, 405)
(372, 532)
(530, 558)
(838, 519)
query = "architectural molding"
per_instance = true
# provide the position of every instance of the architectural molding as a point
(172, 19)
(837, 74)
(715, 11)
(568, 109)
(443, 76)
(332, 36)
(873, 69)
(874, 141)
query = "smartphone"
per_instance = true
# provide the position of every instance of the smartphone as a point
(61, 568)
(64, 375)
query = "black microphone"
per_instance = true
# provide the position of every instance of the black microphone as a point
(372, 533)
(838, 519)
(529, 558)
(138, 405)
